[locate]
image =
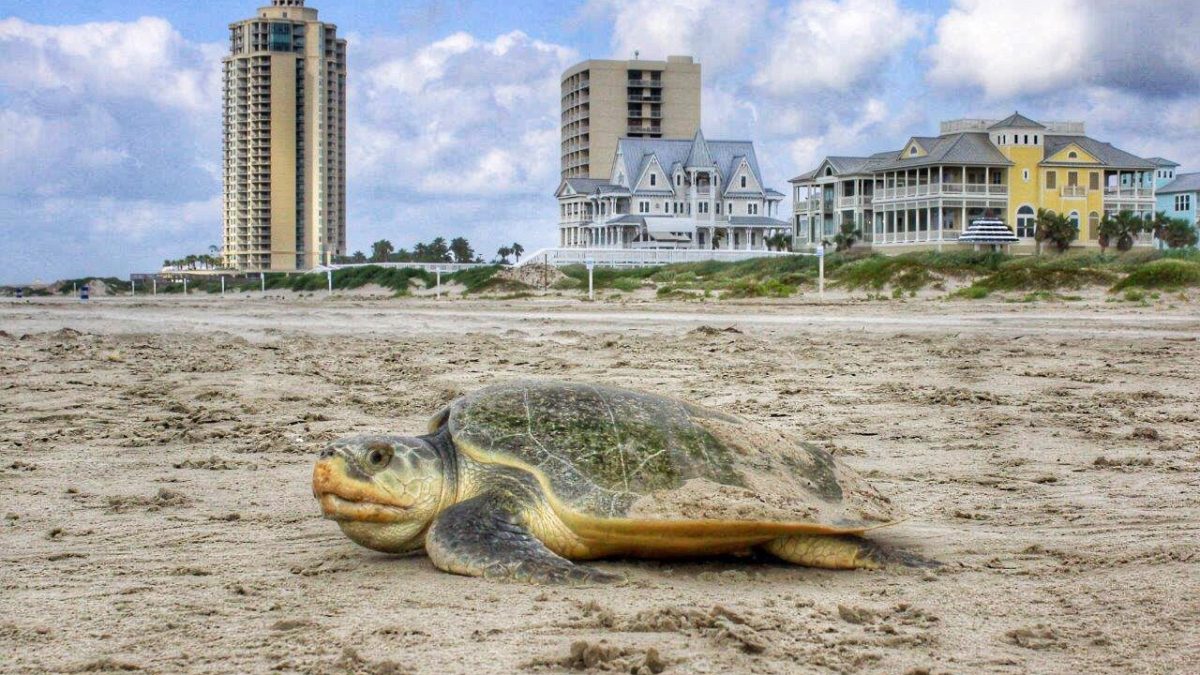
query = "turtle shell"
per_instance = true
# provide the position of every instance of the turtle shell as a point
(605, 452)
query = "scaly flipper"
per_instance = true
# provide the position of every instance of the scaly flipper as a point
(842, 552)
(486, 536)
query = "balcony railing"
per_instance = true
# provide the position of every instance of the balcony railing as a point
(1128, 193)
(1074, 191)
(853, 201)
(645, 98)
(637, 114)
(644, 130)
(940, 189)
(645, 83)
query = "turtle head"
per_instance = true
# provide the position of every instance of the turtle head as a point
(383, 491)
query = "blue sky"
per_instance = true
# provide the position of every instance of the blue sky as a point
(110, 109)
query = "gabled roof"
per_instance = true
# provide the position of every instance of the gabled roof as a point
(585, 185)
(1159, 161)
(1017, 121)
(635, 153)
(1105, 153)
(1184, 182)
(807, 175)
(961, 148)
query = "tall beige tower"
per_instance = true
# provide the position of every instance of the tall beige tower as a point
(603, 101)
(285, 141)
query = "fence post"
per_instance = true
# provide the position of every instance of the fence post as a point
(262, 281)
(185, 285)
(438, 288)
(154, 285)
(591, 264)
(329, 280)
(222, 285)
(133, 287)
(821, 271)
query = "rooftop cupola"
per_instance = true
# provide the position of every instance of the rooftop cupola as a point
(287, 3)
(1017, 129)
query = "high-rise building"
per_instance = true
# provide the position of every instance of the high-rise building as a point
(285, 141)
(603, 101)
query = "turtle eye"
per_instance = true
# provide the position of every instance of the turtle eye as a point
(379, 456)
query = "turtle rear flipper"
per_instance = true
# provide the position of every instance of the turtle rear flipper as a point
(484, 537)
(843, 552)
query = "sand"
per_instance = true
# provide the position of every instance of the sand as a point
(155, 456)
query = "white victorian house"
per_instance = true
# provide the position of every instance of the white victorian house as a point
(673, 193)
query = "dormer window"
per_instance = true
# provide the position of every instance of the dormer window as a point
(653, 180)
(828, 171)
(912, 150)
(743, 181)
(678, 179)
(1073, 155)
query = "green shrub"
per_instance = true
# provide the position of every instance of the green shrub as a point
(1167, 273)
(972, 292)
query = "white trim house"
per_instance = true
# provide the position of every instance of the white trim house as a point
(673, 193)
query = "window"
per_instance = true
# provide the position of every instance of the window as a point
(704, 207)
(1026, 139)
(1073, 178)
(829, 170)
(1072, 155)
(718, 208)
(911, 151)
(743, 181)
(1035, 139)
(1025, 175)
(1093, 225)
(1183, 202)
(1074, 218)
(1051, 180)
(643, 207)
(1026, 222)
(653, 179)
(678, 180)
(752, 209)
(1094, 181)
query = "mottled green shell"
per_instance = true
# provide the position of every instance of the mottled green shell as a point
(610, 452)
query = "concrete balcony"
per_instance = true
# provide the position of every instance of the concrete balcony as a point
(646, 83)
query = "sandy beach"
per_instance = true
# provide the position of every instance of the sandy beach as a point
(155, 461)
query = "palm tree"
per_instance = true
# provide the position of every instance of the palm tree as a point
(1179, 233)
(1158, 225)
(517, 251)
(779, 241)
(504, 252)
(846, 238)
(1127, 226)
(1106, 232)
(1056, 228)
(380, 250)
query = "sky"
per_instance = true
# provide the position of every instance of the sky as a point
(110, 110)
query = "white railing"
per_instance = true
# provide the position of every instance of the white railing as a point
(1074, 191)
(853, 202)
(1128, 193)
(613, 257)
(427, 266)
(940, 189)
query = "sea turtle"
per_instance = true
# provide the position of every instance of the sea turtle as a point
(517, 480)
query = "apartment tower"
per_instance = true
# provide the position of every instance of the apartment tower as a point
(285, 141)
(603, 101)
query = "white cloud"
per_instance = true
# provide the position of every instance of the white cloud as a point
(715, 31)
(460, 115)
(144, 59)
(832, 44)
(1030, 47)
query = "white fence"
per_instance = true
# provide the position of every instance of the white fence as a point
(619, 257)
(446, 268)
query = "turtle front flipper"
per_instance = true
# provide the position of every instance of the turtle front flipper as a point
(485, 536)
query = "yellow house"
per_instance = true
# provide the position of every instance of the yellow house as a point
(927, 193)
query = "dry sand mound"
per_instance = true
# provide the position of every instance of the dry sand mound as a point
(537, 276)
